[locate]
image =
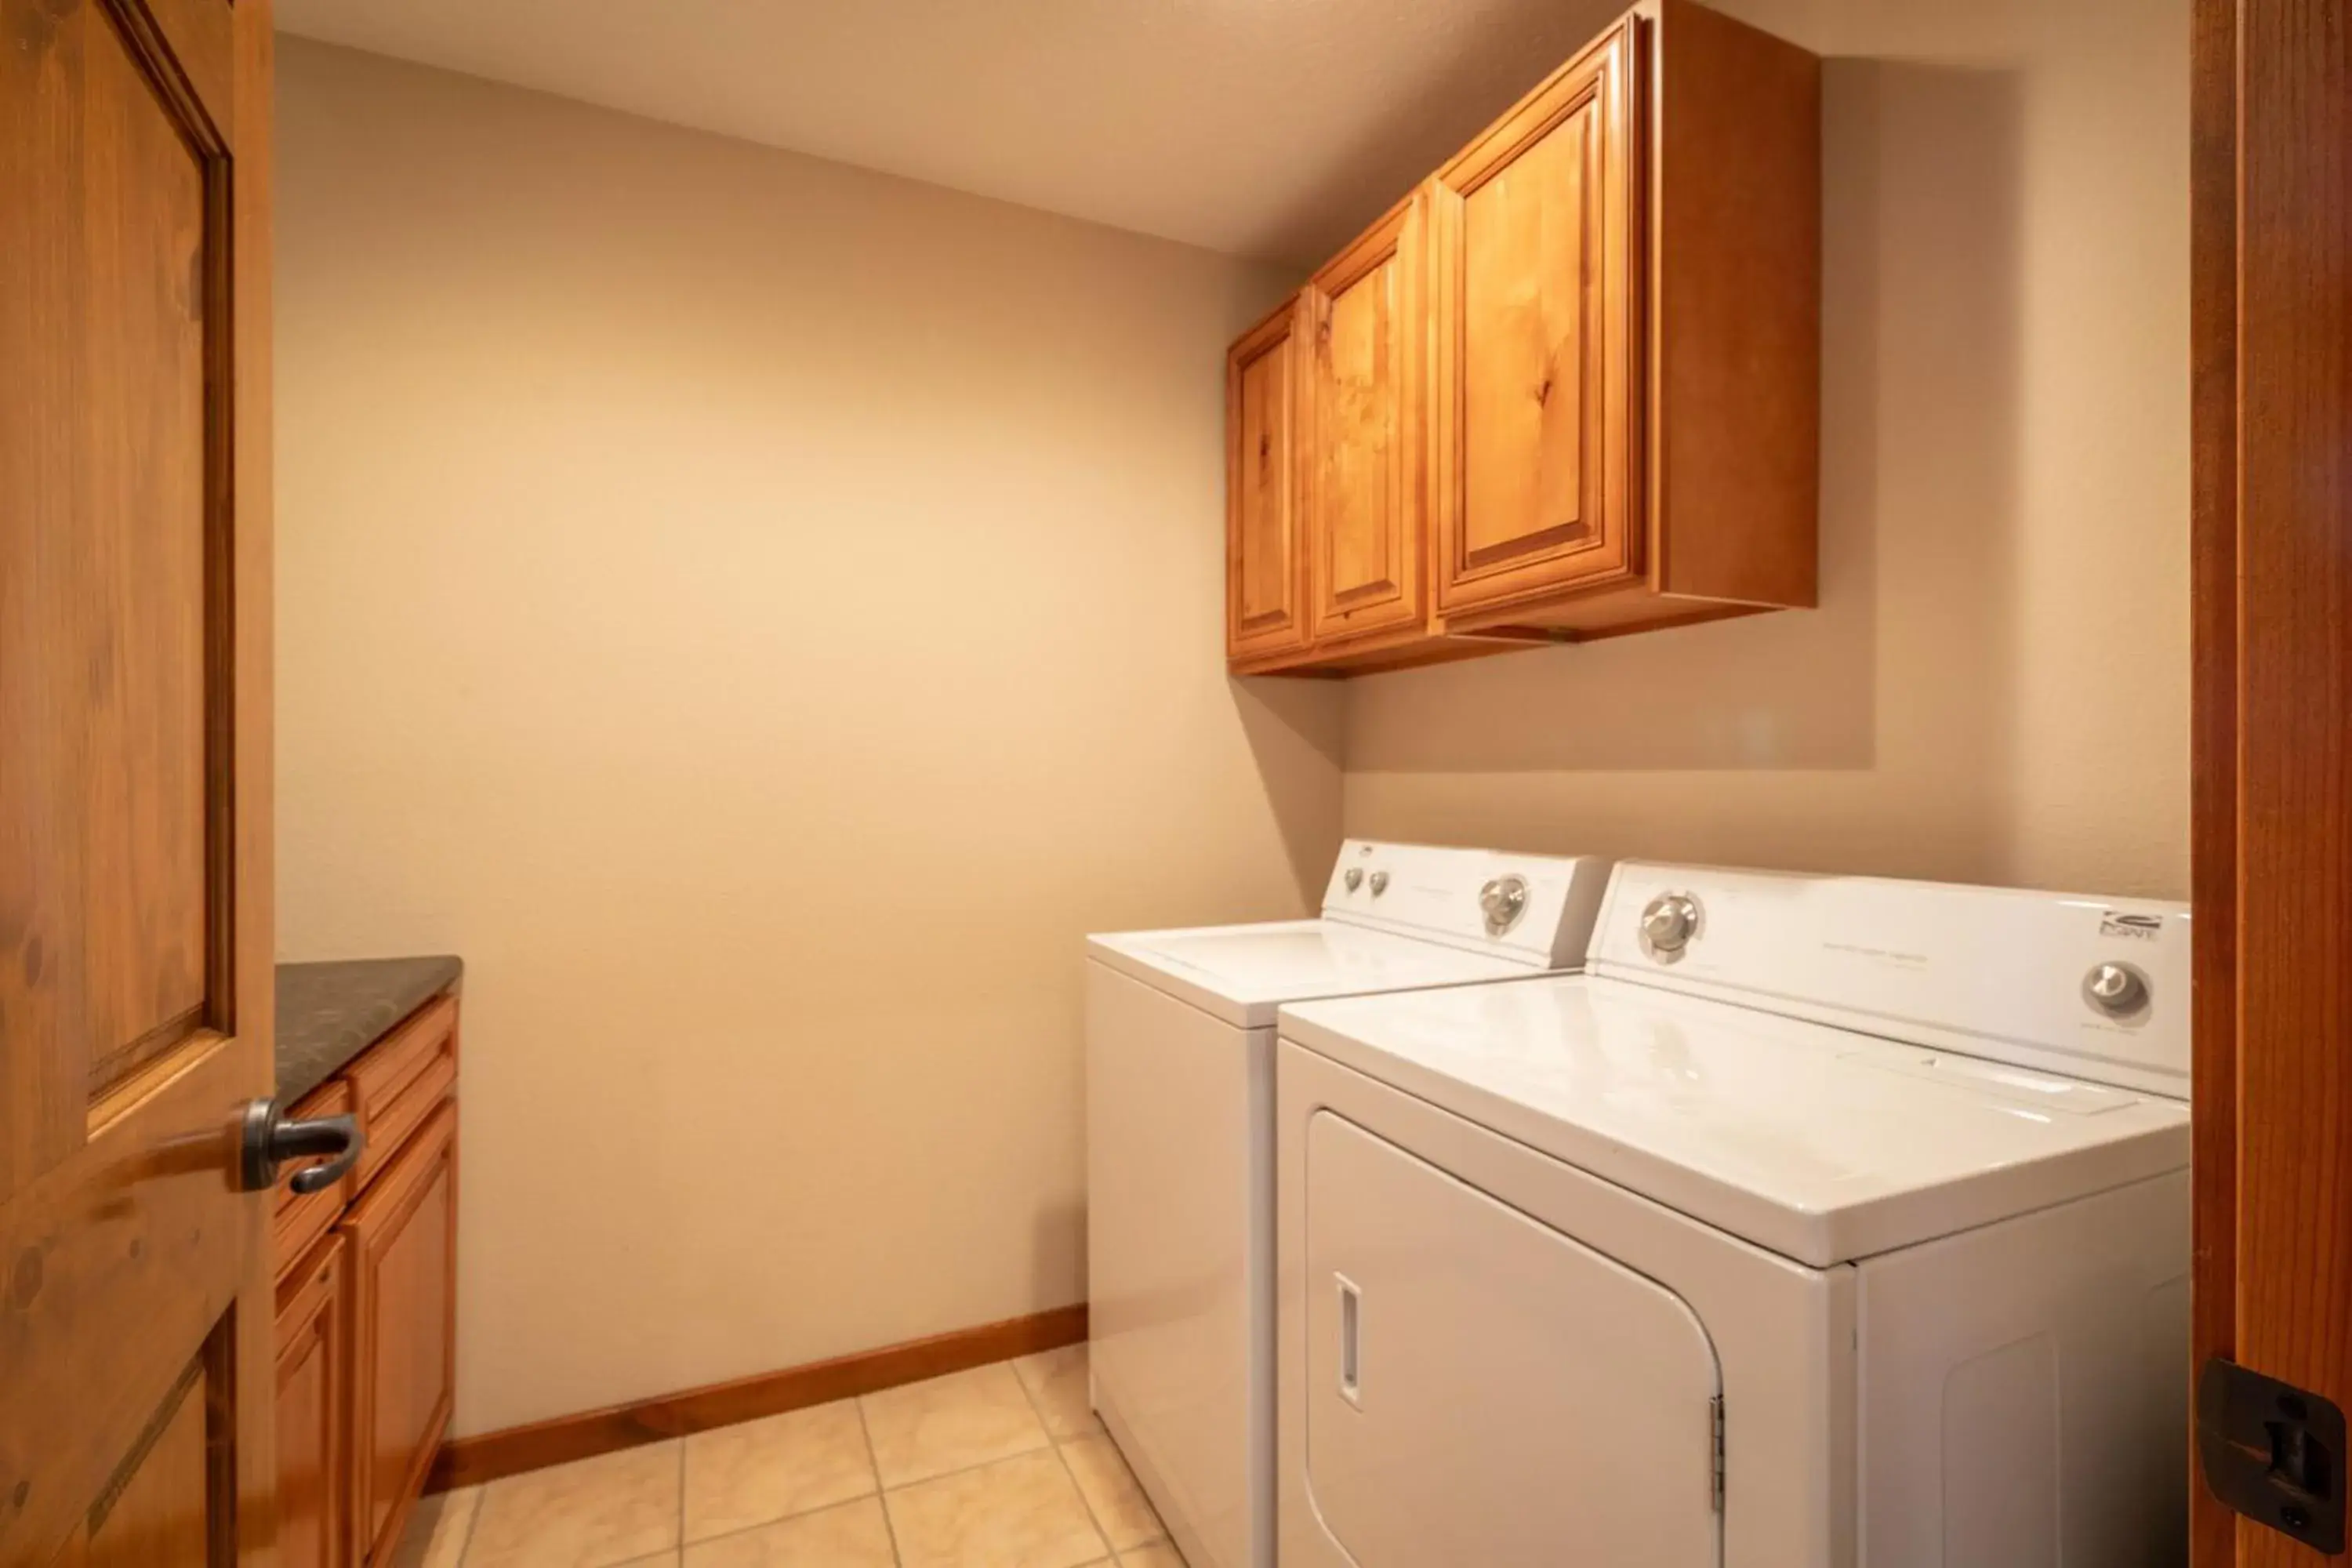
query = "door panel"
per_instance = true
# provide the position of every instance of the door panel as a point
(135, 996)
(1533, 273)
(163, 1505)
(1266, 570)
(130, 817)
(1483, 1389)
(1366, 515)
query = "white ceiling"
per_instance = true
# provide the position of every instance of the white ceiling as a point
(1263, 128)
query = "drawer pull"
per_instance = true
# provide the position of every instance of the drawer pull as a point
(271, 1138)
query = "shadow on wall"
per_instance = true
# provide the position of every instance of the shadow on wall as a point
(1908, 657)
(1477, 56)
(1297, 733)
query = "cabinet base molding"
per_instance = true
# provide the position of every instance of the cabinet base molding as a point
(469, 1461)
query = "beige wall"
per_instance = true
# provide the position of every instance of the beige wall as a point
(760, 614)
(1995, 685)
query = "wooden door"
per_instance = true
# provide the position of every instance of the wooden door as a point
(2271, 335)
(1536, 270)
(1367, 512)
(136, 1310)
(314, 1365)
(1265, 567)
(404, 1236)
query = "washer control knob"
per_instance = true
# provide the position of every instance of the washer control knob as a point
(1379, 883)
(1502, 900)
(1354, 878)
(2118, 990)
(1668, 923)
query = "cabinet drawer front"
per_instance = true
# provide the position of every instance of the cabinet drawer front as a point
(1536, 267)
(403, 1239)
(1265, 569)
(1367, 510)
(385, 1068)
(301, 1219)
(388, 1127)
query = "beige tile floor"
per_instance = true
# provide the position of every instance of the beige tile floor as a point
(1002, 1467)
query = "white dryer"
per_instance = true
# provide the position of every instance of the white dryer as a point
(1822, 1221)
(1180, 1144)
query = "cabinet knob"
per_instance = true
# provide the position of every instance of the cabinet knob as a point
(271, 1138)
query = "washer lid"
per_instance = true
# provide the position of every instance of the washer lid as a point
(1241, 974)
(1821, 1143)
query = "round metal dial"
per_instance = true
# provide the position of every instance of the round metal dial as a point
(1354, 878)
(1502, 900)
(1668, 923)
(1379, 883)
(2117, 990)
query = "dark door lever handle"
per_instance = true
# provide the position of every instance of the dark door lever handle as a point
(271, 1139)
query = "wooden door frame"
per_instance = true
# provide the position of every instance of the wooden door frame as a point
(2271, 361)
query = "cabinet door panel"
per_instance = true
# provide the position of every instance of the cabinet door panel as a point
(1367, 516)
(404, 1235)
(1536, 472)
(313, 1381)
(1266, 577)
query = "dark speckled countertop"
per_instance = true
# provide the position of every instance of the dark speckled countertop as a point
(329, 1013)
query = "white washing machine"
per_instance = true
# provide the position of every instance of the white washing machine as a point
(1180, 1144)
(1822, 1221)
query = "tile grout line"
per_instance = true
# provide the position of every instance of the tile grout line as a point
(473, 1522)
(881, 1492)
(1055, 1443)
(1086, 1502)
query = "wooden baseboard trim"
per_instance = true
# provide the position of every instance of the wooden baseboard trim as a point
(469, 1461)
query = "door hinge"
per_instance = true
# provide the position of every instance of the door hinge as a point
(2272, 1452)
(1715, 1425)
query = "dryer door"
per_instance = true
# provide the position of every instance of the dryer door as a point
(1482, 1389)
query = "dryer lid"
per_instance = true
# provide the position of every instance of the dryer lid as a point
(1821, 1143)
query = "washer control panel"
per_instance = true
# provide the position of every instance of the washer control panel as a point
(1537, 907)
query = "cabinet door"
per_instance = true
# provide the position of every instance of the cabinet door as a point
(314, 1360)
(404, 1236)
(1536, 267)
(1265, 567)
(1367, 509)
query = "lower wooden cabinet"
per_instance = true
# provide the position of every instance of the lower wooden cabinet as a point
(314, 1367)
(367, 1305)
(404, 1241)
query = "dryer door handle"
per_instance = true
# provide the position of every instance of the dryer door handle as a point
(1351, 1340)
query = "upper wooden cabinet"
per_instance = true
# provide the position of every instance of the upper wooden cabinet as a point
(1535, 434)
(1366, 504)
(1570, 388)
(1265, 564)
